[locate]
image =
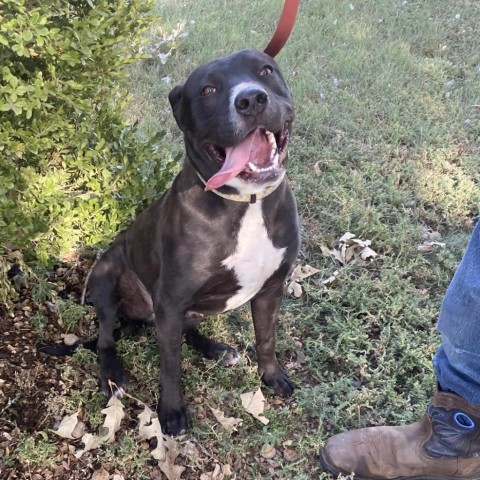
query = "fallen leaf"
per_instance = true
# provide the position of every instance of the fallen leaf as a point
(332, 278)
(254, 403)
(349, 250)
(149, 426)
(301, 272)
(428, 246)
(79, 430)
(346, 237)
(290, 455)
(367, 254)
(67, 426)
(228, 423)
(90, 441)
(227, 470)
(268, 451)
(168, 467)
(113, 416)
(338, 255)
(100, 474)
(295, 288)
(216, 474)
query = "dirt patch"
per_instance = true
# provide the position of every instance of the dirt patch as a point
(29, 380)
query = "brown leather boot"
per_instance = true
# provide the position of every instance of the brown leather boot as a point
(443, 445)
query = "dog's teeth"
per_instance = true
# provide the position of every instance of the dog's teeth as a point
(272, 140)
(253, 167)
(273, 153)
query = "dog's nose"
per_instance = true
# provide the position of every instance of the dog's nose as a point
(251, 101)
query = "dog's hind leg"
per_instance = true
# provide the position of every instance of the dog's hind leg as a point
(211, 349)
(106, 299)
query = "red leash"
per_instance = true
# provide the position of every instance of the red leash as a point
(284, 28)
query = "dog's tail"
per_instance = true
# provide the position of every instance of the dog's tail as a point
(63, 350)
(127, 329)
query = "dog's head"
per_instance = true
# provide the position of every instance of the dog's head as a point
(236, 114)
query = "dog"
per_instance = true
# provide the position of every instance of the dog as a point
(225, 233)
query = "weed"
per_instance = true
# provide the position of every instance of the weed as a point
(70, 313)
(39, 320)
(41, 289)
(130, 455)
(36, 449)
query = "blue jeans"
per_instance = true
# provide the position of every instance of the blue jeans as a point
(457, 361)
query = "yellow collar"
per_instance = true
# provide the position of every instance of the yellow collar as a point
(246, 198)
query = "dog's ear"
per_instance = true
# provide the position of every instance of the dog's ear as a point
(175, 99)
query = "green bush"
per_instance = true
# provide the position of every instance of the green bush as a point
(72, 171)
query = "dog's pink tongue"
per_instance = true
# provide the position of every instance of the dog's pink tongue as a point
(237, 158)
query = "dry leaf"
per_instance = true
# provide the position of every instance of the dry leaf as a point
(268, 451)
(90, 441)
(367, 253)
(79, 430)
(332, 278)
(227, 470)
(228, 423)
(100, 474)
(67, 426)
(216, 474)
(346, 237)
(349, 249)
(148, 427)
(290, 455)
(301, 272)
(168, 467)
(428, 246)
(326, 251)
(113, 416)
(254, 403)
(295, 288)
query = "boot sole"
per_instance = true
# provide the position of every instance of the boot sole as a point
(328, 467)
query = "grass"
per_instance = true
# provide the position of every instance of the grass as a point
(385, 145)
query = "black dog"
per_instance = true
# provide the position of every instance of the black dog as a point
(225, 233)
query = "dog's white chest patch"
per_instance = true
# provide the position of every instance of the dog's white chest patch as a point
(255, 258)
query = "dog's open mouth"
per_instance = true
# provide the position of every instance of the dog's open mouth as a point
(257, 158)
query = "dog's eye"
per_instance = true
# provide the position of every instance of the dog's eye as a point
(208, 90)
(266, 70)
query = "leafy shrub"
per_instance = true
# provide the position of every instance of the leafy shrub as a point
(72, 171)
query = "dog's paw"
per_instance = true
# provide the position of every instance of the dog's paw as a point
(112, 375)
(226, 354)
(114, 383)
(174, 421)
(281, 384)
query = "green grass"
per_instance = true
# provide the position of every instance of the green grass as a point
(385, 145)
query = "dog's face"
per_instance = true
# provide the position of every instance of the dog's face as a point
(236, 114)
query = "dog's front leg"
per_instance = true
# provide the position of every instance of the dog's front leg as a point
(265, 307)
(172, 411)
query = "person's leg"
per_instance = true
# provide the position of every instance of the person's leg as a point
(445, 443)
(457, 362)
